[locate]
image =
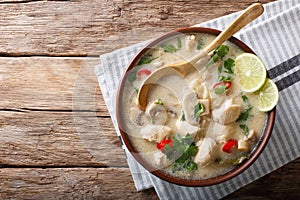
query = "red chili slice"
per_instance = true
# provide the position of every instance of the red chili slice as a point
(143, 71)
(227, 147)
(226, 83)
(163, 143)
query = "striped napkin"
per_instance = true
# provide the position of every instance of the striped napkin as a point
(275, 37)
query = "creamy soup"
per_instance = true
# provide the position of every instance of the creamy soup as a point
(198, 126)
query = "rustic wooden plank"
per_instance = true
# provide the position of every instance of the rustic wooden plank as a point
(283, 183)
(117, 183)
(48, 83)
(94, 27)
(39, 138)
(70, 183)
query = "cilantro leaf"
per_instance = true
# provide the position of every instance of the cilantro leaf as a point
(169, 48)
(245, 98)
(182, 151)
(200, 43)
(221, 51)
(220, 89)
(244, 115)
(159, 101)
(228, 64)
(198, 110)
(132, 76)
(178, 43)
(245, 129)
(182, 118)
(146, 59)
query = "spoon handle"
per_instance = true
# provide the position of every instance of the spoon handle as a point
(251, 13)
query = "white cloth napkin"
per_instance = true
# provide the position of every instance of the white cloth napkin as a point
(275, 38)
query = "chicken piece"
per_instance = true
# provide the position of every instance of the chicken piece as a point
(222, 133)
(189, 101)
(227, 113)
(185, 128)
(251, 136)
(160, 160)
(157, 113)
(243, 145)
(200, 88)
(206, 104)
(156, 133)
(205, 153)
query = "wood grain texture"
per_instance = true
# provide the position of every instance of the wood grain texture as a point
(71, 183)
(81, 28)
(117, 183)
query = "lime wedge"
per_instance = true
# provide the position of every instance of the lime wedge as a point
(267, 97)
(251, 72)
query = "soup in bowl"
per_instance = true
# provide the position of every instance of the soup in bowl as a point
(198, 129)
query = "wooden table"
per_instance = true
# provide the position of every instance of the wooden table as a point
(51, 107)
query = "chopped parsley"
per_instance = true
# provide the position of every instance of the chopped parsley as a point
(182, 151)
(146, 59)
(225, 78)
(159, 101)
(198, 110)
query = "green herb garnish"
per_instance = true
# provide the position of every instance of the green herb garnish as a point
(182, 151)
(245, 114)
(245, 129)
(228, 65)
(224, 78)
(245, 98)
(200, 43)
(219, 53)
(198, 110)
(146, 59)
(132, 76)
(220, 89)
(178, 43)
(159, 101)
(169, 48)
(182, 118)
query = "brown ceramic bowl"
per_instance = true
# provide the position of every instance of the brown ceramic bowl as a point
(180, 181)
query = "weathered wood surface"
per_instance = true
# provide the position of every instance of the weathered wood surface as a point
(56, 138)
(93, 27)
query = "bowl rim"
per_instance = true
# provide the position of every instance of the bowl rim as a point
(261, 144)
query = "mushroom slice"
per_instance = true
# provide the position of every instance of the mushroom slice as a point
(185, 128)
(251, 136)
(227, 113)
(160, 160)
(189, 103)
(138, 116)
(200, 88)
(156, 133)
(157, 113)
(205, 152)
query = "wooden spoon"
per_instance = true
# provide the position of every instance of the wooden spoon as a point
(183, 68)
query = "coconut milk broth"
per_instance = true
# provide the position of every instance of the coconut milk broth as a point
(170, 89)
